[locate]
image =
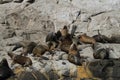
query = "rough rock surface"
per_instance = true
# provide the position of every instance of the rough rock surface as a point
(21, 21)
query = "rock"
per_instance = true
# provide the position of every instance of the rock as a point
(68, 68)
(59, 55)
(87, 53)
(23, 20)
(8, 33)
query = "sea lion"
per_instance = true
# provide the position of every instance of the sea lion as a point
(114, 39)
(64, 31)
(32, 75)
(100, 51)
(39, 50)
(5, 71)
(37, 75)
(30, 1)
(73, 49)
(99, 69)
(104, 39)
(65, 40)
(75, 60)
(28, 46)
(22, 60)
(74, 55)
(101, 38)
(86, 39)
(5, 1)
(52, 39)
(64, 45)
(101, 54)
(18, 1)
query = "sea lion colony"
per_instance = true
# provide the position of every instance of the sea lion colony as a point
(64, 41)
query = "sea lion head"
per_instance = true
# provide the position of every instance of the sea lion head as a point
(4, 62)
(64, 31)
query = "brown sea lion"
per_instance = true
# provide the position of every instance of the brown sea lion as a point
(65, 40)
(52, 39)
(22, 60)
(73, 49)
(86, 39)
(28, 46)
(75, 60)
(39, 50)
(5, 71)
(74, 55)
(64, 45)
(64, 31)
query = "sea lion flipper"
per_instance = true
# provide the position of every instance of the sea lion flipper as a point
(17, 45)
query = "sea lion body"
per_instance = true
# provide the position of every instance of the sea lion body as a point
(18, 1)
(28, 46)
(22, 60)
(30, 1)
(74, 56)
(114, 39)
(101, 38)
(65, 43)
(101, 54)
(86, 39)
(52, 40)
(39, 50)
(65, 40)
(5, 71)
(73, 49)
(104, 69)
(100, 51)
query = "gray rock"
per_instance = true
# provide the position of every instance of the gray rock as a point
(8, 33)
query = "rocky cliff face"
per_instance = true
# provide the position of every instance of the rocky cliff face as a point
(32, 21)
